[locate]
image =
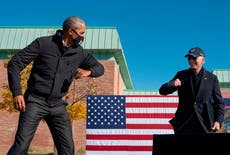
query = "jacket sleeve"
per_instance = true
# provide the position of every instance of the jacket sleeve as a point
(166, 88)
(92, 64)
(17, 63)
(219, 102)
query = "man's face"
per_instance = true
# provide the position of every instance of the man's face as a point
(196, 63)
(80, 32)
(77, 34)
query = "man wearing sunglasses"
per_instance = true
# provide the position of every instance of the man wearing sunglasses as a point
(57, 60)
(201, 106)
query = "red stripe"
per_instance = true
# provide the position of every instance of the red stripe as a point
(152, 115)
(148, 126)
(118, 148)
(119, 137)
(151, 105)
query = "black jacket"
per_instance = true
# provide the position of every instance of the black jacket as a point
(208, 105)
(54, 66)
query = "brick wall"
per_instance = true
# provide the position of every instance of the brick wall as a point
(8, 123)
(225, 92)
(3, 77)
(110, 83)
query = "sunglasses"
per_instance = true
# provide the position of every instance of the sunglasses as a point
(191, 57)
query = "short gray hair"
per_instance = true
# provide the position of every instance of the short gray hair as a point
(72, 21)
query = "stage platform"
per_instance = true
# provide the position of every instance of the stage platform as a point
(204, 144)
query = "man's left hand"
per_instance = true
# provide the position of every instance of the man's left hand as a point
(216, 126)
(82, 73)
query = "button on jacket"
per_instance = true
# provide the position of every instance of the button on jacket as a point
(54, 66)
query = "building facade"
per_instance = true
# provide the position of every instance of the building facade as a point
(105, 45)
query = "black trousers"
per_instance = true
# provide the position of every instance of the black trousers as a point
(57, 119)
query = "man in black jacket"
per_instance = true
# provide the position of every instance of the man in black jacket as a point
(201, 107)
(57, 60)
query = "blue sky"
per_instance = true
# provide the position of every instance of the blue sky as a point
(155, 34)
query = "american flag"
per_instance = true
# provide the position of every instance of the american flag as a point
(125, 125)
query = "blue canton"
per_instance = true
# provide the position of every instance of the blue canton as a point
(106, 112)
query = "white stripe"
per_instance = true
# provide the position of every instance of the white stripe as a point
(128, 131)
(118, 152)
(152, 99)
(120, 142)
(147, 121)
(151, 110)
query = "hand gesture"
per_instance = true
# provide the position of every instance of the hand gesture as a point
(175, 83)
(19, 103)
(82, 73)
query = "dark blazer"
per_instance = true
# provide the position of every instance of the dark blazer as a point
(208, 105)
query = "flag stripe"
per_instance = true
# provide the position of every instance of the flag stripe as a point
(119, 148)
(117, 152)
(119, 137)
(150, 110)
(151, 96)
(151, 105)
(132, 142)
(128, 131)
(151, 100)
(147, 121)
(148, 126)
(153, 115)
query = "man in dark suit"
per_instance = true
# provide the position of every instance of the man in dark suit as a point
(201, 106)
(57, 61)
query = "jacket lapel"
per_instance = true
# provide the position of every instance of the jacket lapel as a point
(191, 84)
(202, 83)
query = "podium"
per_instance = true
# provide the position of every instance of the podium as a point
(189, 144)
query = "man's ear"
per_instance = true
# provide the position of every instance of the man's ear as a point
(203, 60)
(70, 31)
